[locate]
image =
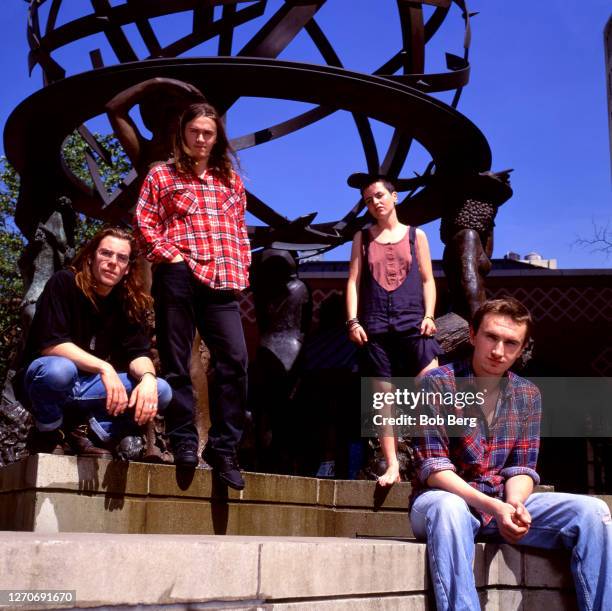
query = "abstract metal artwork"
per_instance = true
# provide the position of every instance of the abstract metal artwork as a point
(398, 93)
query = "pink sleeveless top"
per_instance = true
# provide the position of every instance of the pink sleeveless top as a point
(390, 263)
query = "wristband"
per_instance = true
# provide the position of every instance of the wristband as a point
(147, 373)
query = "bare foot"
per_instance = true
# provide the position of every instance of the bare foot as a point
(390, 476)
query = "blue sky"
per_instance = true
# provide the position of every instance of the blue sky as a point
(537, 92)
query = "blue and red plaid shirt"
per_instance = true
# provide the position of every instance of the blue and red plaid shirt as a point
(201, 219)
(485, 456)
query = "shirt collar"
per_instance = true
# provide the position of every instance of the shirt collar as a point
(465, 371)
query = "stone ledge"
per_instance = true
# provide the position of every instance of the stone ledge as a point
(90, 475)
(46, 493)
(266, 572)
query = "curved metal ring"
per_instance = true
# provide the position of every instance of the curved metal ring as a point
(454, 142)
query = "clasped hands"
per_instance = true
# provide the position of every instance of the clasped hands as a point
(513, 520)
(143, 398)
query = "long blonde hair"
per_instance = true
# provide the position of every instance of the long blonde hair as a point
(136, 303)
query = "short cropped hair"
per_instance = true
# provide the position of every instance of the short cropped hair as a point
(506, 306)
(384, 181)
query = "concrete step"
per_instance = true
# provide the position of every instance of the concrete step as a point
(46, 493)
(300, 553)
(281, 573)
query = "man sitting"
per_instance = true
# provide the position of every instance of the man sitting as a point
(478, 481)
(89, 326)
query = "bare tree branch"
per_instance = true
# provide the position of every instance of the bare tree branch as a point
(601, 240)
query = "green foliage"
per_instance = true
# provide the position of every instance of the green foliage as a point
(12, 242)
(74, 154)
(11, 245)
(9, 187)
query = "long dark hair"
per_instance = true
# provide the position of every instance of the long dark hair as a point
(221, 155)
(131, 291)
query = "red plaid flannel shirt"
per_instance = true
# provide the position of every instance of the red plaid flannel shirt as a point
(484, 456)
(201, 219)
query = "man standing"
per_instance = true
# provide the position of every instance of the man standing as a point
(190, 220)
(478, 481)
(89, 326)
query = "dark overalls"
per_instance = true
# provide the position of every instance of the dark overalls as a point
(392, 321)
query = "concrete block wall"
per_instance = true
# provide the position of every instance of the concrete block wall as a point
(46, 493)
(281, 573)
(131, 533)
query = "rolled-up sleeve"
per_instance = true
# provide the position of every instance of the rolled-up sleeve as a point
(428, 466)
(509, 472)
(523, 457)
(430, 451)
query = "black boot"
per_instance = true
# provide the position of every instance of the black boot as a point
(225, 467)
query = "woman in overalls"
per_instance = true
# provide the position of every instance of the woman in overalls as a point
(391, 298)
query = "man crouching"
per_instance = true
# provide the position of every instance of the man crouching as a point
(88, 327)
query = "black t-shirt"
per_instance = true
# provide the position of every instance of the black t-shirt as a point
(65, 314)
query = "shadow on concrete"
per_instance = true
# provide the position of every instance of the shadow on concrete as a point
(184, 477)
(89, 475)
(379, 496)
(219, 507)
(115, 478)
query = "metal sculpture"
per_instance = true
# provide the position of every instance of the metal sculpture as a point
(161, 102)
(284, 311)
(398, 93)
(467, 232)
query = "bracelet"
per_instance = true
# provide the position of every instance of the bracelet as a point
(353, 322)
(430, 318)
(145, 373)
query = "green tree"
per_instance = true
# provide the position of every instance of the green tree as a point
(12, 242)
(11, 245)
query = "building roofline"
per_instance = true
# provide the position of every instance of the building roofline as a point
(339, 269)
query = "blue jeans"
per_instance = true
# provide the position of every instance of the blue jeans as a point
(579, 523)
(57, 389)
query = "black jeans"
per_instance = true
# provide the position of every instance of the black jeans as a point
(182, 304)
